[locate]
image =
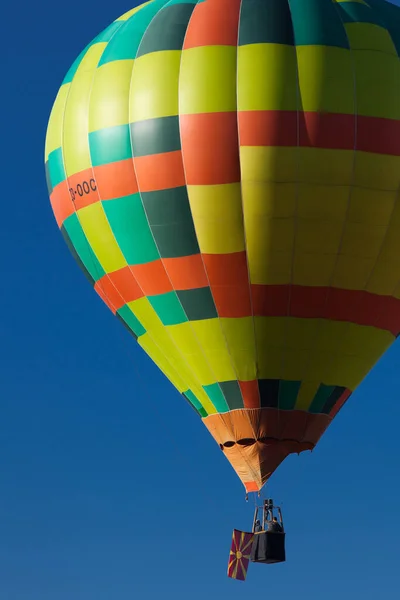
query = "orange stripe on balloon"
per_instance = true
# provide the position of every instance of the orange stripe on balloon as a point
(152, 278)
(250, 393)
(116, 179)
(213, 23)
(210, 148)
(340, 403)
(319, 130)
(82, 186)
(61, 203)
(186, 272)
(159, 171)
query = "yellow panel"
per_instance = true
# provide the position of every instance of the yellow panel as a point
(76, 119)
(209, 334)
(261, 164)
(210, 337)
(217, 208)
(379, 171)
(295, 364)
(270, 362)
(239, 335)
(377, 84)
(367, 36)
(55, 126)
(330, 336)
(367, 342)
(326, 79)
(131, 12)
(269, 244)
(322, 202)
(143, 310)
(101, 238)
(318, 237)
(385, 277)
(372, 207)
(352, 272)
(299, 334)
(154, 89)
(359, 1)
(185, 339)
(267, 199)
(391, 246)
(306, 394)
(267, 77)
(274, 269)
(325, 166)
(157, 356)
(207, 80)
(362, 240)
(313, 269)
(109, 100)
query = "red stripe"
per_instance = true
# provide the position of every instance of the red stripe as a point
(319, 130)
(354, 306)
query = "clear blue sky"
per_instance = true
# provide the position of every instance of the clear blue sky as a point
(95, 506)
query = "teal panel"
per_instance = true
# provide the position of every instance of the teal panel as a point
(288, 391)
(131, 229)
(265, 22)
(317, 22)
(216, 396)
(111, 144)
(124, 45)
(168, 308)
(131, 321)
(320, 398)
(56, 167)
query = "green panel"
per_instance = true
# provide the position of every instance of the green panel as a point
(167, 30)
(175, 240)
(73, 68)
(48, 180)
(82, 248)
(194, 403)
(155, 136)
(125, 43)
(288, 391)
(355, 12)
(168, 212)
(111, 144)
(390, 16)
(232, 393)
(168, 308)
(216, 396)
(198, 304)
(265, 21)
(320, 398)
(130, 227)
(333, 398)
(134, 325)
(108, 33)
(317, 22)
(164, 207)
(56, 167)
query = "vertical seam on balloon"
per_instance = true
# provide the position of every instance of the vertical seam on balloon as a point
(323, 319)
(243, 215)
(195, 378)
(295, 215)
(251, 470)
(78, 218)
(259, 412)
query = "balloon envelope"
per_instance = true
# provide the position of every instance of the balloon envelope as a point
(226, 174)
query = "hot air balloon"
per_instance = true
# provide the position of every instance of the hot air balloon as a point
(226, 173)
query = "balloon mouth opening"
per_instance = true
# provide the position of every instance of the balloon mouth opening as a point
(293, 444)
